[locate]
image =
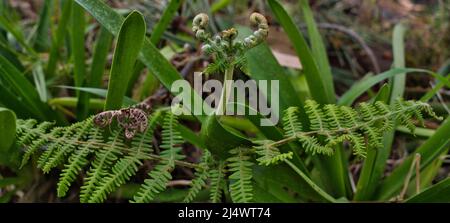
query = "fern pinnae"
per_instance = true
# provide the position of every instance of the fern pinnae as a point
(75, 132)
(77, 161)
(201, 175)
(58, 133)
(125, 167)
(342, 123)
(291, 124)
(103, 159)
(161, 174)
(334, 117)
(239, 164)
(316, 117)
(30, 137)
(217, 176)
(270, 155)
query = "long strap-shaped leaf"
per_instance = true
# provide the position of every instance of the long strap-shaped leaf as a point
(317, 72)
(129, 43)
(318, 82)
(150, 55)
(431, 149)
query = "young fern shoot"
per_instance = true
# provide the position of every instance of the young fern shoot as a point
(228, 52)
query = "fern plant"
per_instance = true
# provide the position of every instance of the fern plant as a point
(108, 149)
(113, 159)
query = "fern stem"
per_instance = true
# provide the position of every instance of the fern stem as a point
(226, 90)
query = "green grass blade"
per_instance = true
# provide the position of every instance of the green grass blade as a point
(165, 20)
(13, 28)
(375, 163)
(42, 40)
(150, 55)
(39, 81)
(362, 86)
(318, 49)
(100, 57)
(23, 88)
(439, 192)
(398, 82)
(129, 43)
(61, 32)
(126, 101)
(429, 151)
(77, 44)
(318, 82)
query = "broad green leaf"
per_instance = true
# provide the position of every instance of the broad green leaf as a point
(269, 70)
(7, 129)
(7, 135)
(150, 55)
(129, 43)
(219, 139)
(428, 151)
(439, 192)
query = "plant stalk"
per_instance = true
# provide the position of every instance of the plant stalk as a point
(226, 90)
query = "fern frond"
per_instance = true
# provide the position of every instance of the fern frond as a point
(201, 175)
(161, 175)
(270, 155)
(291, 123)
(341, 123)
(217, 176)
(239, 164)
(316, 116)
(104, 158)
(311, 145)
(30, 137)
(76, 132)
(127, 166)
(77, 161)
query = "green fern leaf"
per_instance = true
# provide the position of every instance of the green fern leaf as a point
(239, 164)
